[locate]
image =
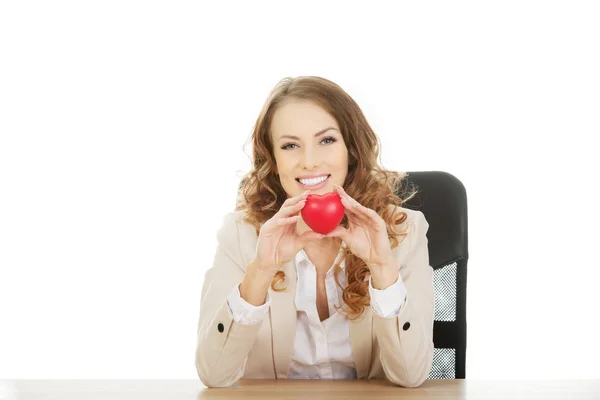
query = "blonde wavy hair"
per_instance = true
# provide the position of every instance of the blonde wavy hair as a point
(261, 193)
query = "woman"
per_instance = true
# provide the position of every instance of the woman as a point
(282, 301)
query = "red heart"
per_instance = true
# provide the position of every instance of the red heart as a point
(323, 213)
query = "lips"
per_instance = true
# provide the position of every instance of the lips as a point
(313, 180)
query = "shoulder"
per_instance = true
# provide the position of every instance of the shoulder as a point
(415, 242)
(417, 227)
(414, 228)
(238, 236)
(414, 218)
(234, 224)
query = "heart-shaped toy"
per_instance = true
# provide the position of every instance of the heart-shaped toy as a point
(323, 213)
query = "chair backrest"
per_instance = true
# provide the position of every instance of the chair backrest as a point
(442, 199)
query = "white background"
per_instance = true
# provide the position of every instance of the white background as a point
(122, 130)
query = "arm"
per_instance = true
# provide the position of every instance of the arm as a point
(244, 312)
(406, 339)
(222, 343)
(387, 302)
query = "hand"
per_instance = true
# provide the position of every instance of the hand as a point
(366, 235)
(278, 241)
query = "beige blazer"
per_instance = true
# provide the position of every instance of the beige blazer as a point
(398, 348)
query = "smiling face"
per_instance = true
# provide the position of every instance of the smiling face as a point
(309, 149)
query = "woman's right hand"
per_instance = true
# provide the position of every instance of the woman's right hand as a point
(278, 241)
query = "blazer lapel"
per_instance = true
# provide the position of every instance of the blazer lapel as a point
(283, 312)
(362, 343)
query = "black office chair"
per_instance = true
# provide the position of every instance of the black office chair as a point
(442, 199)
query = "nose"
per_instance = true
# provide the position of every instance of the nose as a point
(309, 159)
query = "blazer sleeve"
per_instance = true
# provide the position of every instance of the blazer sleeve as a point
(223, 345)
(406, 340)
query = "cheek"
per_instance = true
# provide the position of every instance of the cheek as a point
(284, 167)
(342, 156)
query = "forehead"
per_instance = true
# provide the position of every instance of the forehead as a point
(300, 118)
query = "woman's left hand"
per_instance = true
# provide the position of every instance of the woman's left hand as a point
(366, 235)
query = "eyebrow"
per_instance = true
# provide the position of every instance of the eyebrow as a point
(316, 134)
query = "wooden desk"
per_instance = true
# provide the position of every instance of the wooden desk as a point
(295, 389)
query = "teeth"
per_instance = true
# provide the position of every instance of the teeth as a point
(313, 181)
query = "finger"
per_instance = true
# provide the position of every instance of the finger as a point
(340, 232)
(293, 200)
(291, 210)
(279, 222)
(358, 210)
(369, 215)
(347, 201)
(342, 193)
(352, 212)
(310, 235)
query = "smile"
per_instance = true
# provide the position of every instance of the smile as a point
(313, 183)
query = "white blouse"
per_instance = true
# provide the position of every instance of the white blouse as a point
(322, 350)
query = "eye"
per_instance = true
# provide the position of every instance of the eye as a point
(330, 140)
(287, 146)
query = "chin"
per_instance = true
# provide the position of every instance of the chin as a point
(323, 190)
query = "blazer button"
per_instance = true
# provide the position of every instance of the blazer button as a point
(220, 327)
(406, 326)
